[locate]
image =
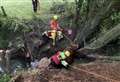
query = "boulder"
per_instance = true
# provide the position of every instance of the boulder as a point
(43, 63)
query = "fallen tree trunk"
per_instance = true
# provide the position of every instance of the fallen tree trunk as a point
(111, 58)
(106, 38)
(91, 25)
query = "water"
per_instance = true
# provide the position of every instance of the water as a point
(17, 65)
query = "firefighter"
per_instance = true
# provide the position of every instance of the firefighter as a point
(60, 58)
(54, 25)
(55, 29)
(64, 56)
(55, 59)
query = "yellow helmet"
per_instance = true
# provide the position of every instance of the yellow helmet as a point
(67, 53)
(55, 17)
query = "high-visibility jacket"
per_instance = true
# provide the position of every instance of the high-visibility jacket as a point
(55, 58)
(54, 25)
(62, 55)
(64, 63)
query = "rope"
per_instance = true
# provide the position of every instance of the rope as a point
(41, 76)
(95, 74)
(91, 73)
(68, 38)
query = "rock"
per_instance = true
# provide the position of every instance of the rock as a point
(1, 54)
(1, 70)
(34, 64)
(70, 31)
(1, 51)
(43, 63)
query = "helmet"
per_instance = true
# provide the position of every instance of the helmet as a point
(55, 17)
(67, 53)
(62, 54)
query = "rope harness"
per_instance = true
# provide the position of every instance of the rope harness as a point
(68, 38)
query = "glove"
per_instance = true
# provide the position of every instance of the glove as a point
(64, 63)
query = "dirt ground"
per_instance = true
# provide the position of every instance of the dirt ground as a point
(101, 72)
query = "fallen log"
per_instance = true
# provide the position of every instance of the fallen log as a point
(91, 24)
(112, 34)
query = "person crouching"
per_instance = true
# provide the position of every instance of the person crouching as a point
(61, 59)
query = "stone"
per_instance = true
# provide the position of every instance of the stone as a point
(43, 63)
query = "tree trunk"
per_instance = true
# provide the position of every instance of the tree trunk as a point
(3, 10)
(91, 25)
(112, 34)
(35, 4)
(78, 8)
(7, 56)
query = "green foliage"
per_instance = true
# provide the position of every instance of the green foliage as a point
(116, 17)
(10, 30)
(5, 78)
(15, 8)
(4, 32)
(109, 22)
(64, 7)
(57, 8)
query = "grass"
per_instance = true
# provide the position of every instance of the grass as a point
(14, 8)
(23, 9)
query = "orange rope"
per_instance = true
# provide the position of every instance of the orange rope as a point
(95, 74)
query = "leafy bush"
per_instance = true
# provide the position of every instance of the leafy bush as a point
(63, 8)
(5, 78)
(57, 8)
(10, 30)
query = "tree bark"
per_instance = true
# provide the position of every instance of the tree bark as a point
(91, 25)
(112, 34)
(35, 5)
(7, 56)
(78, 8)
